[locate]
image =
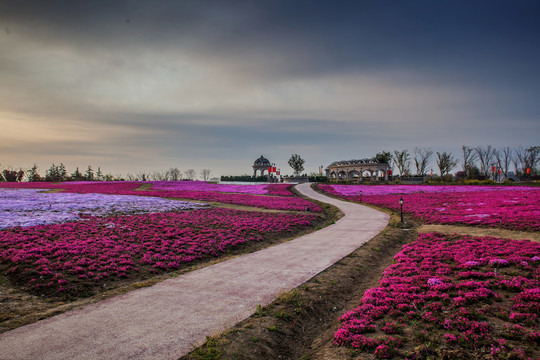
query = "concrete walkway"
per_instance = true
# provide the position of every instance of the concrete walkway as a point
(167, 320)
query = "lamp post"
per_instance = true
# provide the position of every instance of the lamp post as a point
(361, 196)
(401, 204)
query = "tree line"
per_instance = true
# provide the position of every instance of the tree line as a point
(59, 173)
(480, 162)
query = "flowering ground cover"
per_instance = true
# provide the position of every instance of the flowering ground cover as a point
(452, 297)
(502, 207)
(288, 203)
(258, 189)
(29, 207)
(77, 257)
(353, 190)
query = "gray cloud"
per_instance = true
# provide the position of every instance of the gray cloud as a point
(205, 82)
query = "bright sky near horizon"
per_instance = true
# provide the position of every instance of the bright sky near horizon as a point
(146, 85)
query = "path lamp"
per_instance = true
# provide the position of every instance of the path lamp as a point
(361, 196)
(401, 204)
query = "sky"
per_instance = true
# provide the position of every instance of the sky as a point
(142, 86)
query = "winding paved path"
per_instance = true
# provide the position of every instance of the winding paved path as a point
(167, 320)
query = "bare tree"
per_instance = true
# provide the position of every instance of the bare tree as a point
(205, 174)
(469, 157)
(174, 174)
(526, 158)
(158, 176)
(485, 155)
(421, 159)
(503, 157)
(402, 161)
(445, 162)
(142, 176)
(190, 174)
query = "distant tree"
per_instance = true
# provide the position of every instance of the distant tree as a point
(99, 174)
(469, 157)
(421, 159)
(474, 172)
(53, 174)
(142, 176)
(32, 174)
(446, 162)
(402, 161)
(190, 174)
(174, 174)
(383, 157)
(205, 174)
(527, 158)
(485, 156)
(77, 175)
(89, 175)
(159, 176)
(504, 158)
(13, 175)
(62, 172)
(297, 164)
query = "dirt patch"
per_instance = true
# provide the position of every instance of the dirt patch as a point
(144, 187)
(480, 232)
(301, 323)
(18, 307)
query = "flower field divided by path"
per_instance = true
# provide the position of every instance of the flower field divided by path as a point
(76, 258)
(452, 296)
(273, 202)
(30, 207)
(516, 208)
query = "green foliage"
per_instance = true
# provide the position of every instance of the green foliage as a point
(297, 164)
(210, 351)
(259, 311)
(318, 178)
(32, 174)
(383, 157)
(12, 175)
(283, 315)
(244, 178)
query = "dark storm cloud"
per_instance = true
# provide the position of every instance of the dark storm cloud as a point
(298, 38)
(224, 79)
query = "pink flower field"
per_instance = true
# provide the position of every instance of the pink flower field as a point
(77, 257)
(445, 293)
(90, 233)
(244, 194)
(516, 208)
(259, 189)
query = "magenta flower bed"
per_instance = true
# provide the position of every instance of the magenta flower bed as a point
(353, 190)
(480, 294)
(128, 188)
(30, 207)
(75, 257)
(259, 189)
(514, 208)
(266, 202)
